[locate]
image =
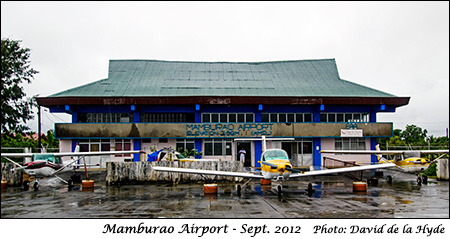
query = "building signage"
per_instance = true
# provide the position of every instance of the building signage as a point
(351, 133)
(228, 129)
(219, 130)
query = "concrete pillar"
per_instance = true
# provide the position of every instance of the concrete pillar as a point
(442, 169)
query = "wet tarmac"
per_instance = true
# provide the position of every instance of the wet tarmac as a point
(333, 197)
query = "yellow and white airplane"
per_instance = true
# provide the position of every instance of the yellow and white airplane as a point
(409, 161)
(275, 166)
(50, 164)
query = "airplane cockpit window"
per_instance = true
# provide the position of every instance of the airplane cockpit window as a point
(275, 154)
(179, 156)
(57, 160)
(43, 157)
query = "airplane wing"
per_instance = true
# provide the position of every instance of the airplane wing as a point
(385, 152)
(96, 153)
(362, 152)
(21, 155)
(207, 172)
(342, 170)
(17, 155)
(436, 151)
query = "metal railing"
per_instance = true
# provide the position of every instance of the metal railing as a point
(331, 163)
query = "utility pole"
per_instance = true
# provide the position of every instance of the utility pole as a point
(39, 128)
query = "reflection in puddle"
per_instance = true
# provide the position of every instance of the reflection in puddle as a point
(328, 199)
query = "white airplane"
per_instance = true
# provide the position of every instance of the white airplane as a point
(275, 166)
(49, 164)
(409, 161)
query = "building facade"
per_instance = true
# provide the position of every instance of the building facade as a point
(150, 104)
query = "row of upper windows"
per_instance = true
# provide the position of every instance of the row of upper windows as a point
(220, 117)
(212, 147)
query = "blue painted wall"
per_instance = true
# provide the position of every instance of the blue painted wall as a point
(199, 109)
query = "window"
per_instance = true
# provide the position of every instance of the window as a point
(123, 145)
(286, 117)
(168, 117)
(217, 147)
(94, 145)
(227, 117)
(163, 140)
(185, 144)
(146, 141)
(105, 117)
(305, 147)
(350, 144)
(344, 117)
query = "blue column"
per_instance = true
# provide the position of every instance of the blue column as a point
(74, 117)
(74, 144)
(373, 143)
(198, 147)
(258, 153)
(136, 146)
(317, 159)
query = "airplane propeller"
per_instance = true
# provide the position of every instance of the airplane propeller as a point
(292, 170)
(272, 166)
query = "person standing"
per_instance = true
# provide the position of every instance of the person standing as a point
(242, 154)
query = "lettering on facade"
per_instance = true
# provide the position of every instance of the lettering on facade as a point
(229, 129)
(351, 125)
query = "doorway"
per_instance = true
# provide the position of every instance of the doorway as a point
(247, 146)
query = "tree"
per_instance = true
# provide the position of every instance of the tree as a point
(16, 107)
(414, 134)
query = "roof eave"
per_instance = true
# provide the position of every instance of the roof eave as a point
(221, 100)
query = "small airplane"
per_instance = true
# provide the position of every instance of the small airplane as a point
(169, 154)
(407, 161)
(275, 166)
(50, 164)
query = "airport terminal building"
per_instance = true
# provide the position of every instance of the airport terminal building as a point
(151, 104)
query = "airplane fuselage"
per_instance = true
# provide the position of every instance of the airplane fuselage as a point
(271, 173)
(412, 165)
(43, 168)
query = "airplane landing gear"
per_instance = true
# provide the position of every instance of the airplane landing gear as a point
(389, 179)
(36, 186)
(279, 190)
(238, 189)
(419, 180)
(26, 185)
(70, 184)
(423, 179)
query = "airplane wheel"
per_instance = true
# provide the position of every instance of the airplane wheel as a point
(279, 191)
(238, 190)
(70, 183)
(36, 186)
(310, 187)
(419, 180)
(389, 179)
(425, 179)
(26, 185)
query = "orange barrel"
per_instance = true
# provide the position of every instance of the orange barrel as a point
(266, 181)
(4, 184)
(87, 183)
(210, 188)
(359, 186)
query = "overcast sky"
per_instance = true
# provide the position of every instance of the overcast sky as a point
(400, 48)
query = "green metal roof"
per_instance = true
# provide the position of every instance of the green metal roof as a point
(153, 78)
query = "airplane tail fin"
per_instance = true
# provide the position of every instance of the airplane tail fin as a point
(264, 146)
(77, 149)
(380, 158)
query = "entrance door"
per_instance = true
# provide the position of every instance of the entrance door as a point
(247, 146)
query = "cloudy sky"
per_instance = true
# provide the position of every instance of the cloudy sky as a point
(398, 47)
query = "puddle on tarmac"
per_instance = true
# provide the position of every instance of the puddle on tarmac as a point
(332, 198)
